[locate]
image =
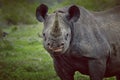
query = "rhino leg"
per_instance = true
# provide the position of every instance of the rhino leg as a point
(97, 69)
(118, 77)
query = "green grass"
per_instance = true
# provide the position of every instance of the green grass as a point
(22, 56)
(17, 12)
(27, 59)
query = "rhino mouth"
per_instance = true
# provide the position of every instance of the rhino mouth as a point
(56, 50)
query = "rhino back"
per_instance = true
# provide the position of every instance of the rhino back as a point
(108, 15)
(110, 24)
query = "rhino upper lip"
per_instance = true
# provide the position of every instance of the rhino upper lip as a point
(56, 49)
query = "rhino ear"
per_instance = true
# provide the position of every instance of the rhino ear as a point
(73, 13)
(41, 12)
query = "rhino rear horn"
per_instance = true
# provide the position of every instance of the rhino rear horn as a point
(41, 12)
(73, 13)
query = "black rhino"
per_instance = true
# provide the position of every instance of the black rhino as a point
(84, 41)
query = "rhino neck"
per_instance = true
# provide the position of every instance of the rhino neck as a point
(56, 30)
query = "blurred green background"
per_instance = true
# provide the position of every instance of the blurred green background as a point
(22, 56)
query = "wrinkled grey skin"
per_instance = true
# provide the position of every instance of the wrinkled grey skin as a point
(79, 40)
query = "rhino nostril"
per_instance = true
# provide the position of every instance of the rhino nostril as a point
(48, 44)
(62, 44)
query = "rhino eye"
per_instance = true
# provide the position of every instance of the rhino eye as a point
(66, 36)
(44, 36)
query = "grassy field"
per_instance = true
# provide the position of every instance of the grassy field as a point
(22, 56)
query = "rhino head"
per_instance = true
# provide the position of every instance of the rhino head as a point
(57, 33)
